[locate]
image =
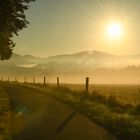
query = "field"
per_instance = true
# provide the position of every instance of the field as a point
(127, 94)
(114, 107)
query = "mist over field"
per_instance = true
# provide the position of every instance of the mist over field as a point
(73, 68)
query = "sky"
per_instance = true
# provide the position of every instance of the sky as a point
(70, 26)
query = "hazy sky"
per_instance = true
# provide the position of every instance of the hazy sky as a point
(68, 26)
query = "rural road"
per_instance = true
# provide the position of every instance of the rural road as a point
(36, 116)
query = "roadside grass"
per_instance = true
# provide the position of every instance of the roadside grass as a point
(5, 117)
(123, 120)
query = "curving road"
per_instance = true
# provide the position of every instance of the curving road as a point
(36, 116)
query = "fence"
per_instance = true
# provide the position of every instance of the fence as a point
(44, 80)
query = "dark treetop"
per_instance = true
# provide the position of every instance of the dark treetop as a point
(12, 20)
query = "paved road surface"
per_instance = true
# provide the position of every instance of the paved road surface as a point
(38, 117)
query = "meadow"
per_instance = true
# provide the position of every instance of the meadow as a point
(125, 93)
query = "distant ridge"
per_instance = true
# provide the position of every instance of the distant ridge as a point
(90, 52)
(80, 60)
(94, 52)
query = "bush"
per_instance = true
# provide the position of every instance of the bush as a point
(98, 97)
(112, 101)
(137, 109)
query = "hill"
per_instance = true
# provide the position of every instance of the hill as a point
(88, 59)
(105, 67)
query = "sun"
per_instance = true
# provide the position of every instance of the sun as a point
(114, 31)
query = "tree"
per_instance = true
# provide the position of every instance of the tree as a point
(12, 20)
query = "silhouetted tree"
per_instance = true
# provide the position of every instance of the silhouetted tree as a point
(12, 20)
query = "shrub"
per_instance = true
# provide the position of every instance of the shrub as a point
(98, 97)
(137, 109)
(112, 101)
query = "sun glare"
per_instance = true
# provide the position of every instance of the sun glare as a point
(114, 31)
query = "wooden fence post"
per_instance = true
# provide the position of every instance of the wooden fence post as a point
(44, 80)
(58, 82)
(25, 80)
(87, 85)
(2, 78)
(34, 80)
(16, 80)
